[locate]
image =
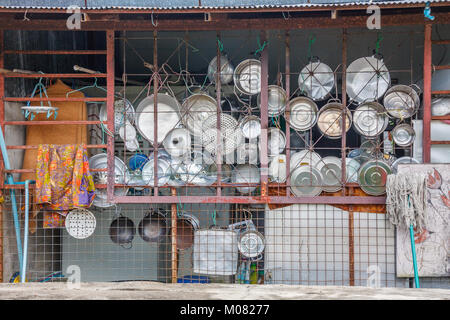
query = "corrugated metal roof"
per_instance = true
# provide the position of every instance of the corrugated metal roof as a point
(194, 4)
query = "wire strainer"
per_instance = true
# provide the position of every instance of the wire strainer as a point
(80, 223)
(231, 135)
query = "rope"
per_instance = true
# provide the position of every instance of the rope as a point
(260, 47)
(220, 44)
(377, 46)
(405, 201)
(311, 41)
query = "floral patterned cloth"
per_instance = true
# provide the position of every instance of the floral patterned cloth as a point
(63, 179)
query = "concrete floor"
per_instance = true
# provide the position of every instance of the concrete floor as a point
(154, 290)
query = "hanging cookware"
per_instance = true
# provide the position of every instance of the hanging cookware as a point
(369, 119)
(127, 131)
(306, 181)
(122, 231)
(123, 111)
(351, 170)
(401, 101)
(251, 243)
(276, 141)
(225, 175)
(195, 110)
(331, 169)
(372, 177)
(440, 106)
(226, 70)
(187, 224)
(177, 142)
(304, 157)
(163, 172)
(276, 100)
(367, 79)
(401, 160)
(100, 161)
(230, 134)
(247, 153)
(168, 116)
(137, 161)
(245, 174)
(316, 80)
(153, 226)
(247, 77)
(303, 113)
(329, 120)
(277, 168)
(403, 135)
(80, 223)
(250, 127)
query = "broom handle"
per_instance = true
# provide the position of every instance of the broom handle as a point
(413, 248)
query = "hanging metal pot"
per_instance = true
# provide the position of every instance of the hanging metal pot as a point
(402, 101)
(331, 170)
(304, 157)
(153, 226)
(195, 110)
(351, 170)
(123, 111)
(276, 141)
(163, 172)
(177, 142)
(440, 106)
(407, 160)
(187, 224)
(276, 100)
(372, 177)
(250, 126)
(247, 77)
(367, 79)
(303, 113)
(251, 244)
(369, 119)
(330, 120)
(226, 70)
(168, 116)
(306, 181)
(277, 168)
(247, 153)
(122, 231)
(317, 80)
(403, 135)
(243, 174)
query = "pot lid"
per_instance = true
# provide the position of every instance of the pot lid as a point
(245, 173)
(304, 157)
(177, 142)
(372, 177)
(330, 168)
(306, 181)
(163, 172)
(251, 243)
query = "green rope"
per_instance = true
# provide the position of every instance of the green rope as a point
(213, 216)
(260, 47)
(311, 41)
(220, 44)
(377, 46)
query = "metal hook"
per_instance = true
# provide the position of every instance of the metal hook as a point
(25, 18)
(153, 23)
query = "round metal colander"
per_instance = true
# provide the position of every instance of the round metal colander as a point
(80, 223)
(230, 133)
(251, 243)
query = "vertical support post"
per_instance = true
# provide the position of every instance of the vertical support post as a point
(155, 112)
(219, 111)
(110, 111)
(264, 117)
(173, 233)
(2, 127)
(351, 247)
(426, 143)
(288, 112)
(344, 116)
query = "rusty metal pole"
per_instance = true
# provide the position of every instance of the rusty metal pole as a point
(426, 143)
(173, 234)
(264, 117)
(155, 112)
(2, 167)
(344, 116)
(351, 247)
(110, 111)
(219, 132)
(288, 113)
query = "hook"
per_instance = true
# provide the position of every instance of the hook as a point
(25, 18)
(153, 23)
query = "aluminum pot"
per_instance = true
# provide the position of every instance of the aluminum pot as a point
(402, 101)
(195, 110)
(123, 111)
(331, 170)
(367, 79)
(401, 160)
(317, 80)
(440, 106)
(122, 231)
(250, 126)
(247, 153)
(243, 174)
(369, 119)
(277, 168)
(187, 224)
(329, 120)
(304, 157)
(303, 113)
(153, 226)
(276, 141)
(226, 70)
(163, 166)
(168, 116)
(372, 177)
(247, 77)
(306, 181)
(276, 100)
(177, 142)
(403, 135)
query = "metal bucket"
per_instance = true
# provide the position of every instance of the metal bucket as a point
(330, 168)
(401, 101)
(303, 113)
(168, 116)
(187, 224)
(250, 127)
(329, 120)
(163, 172)
(367, 79)
(226, 70)
(247, 77)
(277, 168)
(369, 119)
(317, 80)
(153, 226)
(196, 109)
(372, 177)
(401, 160)
(177, 142)
(304, 157)
(306, 181)
(123, 110)
(403, 135)
(243, 174)
(100, 161)
(276, 100)
(276, 141)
